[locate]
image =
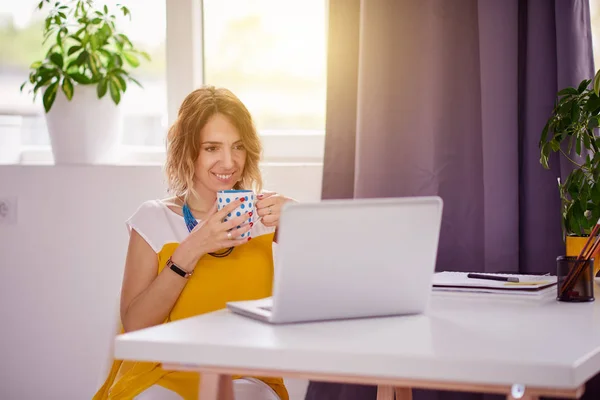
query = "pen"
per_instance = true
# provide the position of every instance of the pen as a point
(493, 277)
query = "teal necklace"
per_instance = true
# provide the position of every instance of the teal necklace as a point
(190, 223)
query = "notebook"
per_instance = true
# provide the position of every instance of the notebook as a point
(528, 285)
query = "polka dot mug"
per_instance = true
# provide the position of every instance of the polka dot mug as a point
(225, 197)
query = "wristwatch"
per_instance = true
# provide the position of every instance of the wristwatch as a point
(178, 270)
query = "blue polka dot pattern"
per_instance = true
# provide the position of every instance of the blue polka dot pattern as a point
(229, 215)
(250, 205)
(238, 213)
(220, 199)
(228, 200)
(243, 206)
(243, 234)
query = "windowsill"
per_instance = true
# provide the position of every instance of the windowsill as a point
(279, 148)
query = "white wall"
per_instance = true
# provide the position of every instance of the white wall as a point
(61, 267)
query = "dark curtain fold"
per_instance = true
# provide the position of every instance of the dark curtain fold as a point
(449, 98)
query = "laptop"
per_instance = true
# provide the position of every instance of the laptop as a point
(353, 258)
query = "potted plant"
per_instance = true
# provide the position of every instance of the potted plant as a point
(571, 126)
(82, 79)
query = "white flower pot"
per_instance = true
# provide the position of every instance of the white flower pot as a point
(85, 130)
(10, 139)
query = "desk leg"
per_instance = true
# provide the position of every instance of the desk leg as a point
(403, 393)
(385, 392)
(215, 387)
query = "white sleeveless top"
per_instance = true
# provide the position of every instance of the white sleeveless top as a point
(158, 225)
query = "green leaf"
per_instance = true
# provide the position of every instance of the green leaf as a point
(36, 65)
(44, 79)
(596, 194)
(543, 156)
(106, 32)
(544, 137)
(94, 42)
(81, 58)
(575, 112)
(572, 219)
(586, 141)
(583, 85)
(57, 59)
(593, 123)
(50, 95)
(79, 32)
(135, 81)
(67, 87)
(597, 83)
(96, 20)
(131, 59)
(80, 78)
(120, 82)
(565, 109)
(145, 55)
(567, 91)
(114, 92)
(592, 104)
(578, 147)
(555, 145)
(73, 49)
(124, 39)
(116, 62)
(95, 64)
(101, 88)
(105, 9)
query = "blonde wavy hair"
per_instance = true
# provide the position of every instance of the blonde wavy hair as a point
(183, 139)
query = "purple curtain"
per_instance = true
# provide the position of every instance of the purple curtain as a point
(449, 98)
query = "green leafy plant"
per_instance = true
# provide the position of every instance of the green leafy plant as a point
(572, 125)
(85, 48)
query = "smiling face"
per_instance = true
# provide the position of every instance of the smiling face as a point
(213, 145)
(221, 159)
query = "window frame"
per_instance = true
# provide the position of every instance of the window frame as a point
(184, 73)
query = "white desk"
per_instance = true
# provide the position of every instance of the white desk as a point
(461, 344)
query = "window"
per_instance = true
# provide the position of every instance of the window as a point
(144, 111)
(271, 53)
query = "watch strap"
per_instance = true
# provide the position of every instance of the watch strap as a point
(178, 270)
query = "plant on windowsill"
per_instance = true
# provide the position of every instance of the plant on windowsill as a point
(83, 78)
(571, 125)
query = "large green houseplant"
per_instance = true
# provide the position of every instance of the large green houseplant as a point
(87, 63)
(571, 131)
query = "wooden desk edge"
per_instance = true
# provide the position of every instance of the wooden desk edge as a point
(385, 384)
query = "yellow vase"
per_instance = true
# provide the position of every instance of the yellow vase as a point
(575, 245)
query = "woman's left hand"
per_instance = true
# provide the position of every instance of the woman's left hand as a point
(268, 207)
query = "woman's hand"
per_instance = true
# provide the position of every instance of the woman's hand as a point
(269, 206)
(211, 235)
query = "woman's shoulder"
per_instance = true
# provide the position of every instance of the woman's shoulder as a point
(152, 221)
(148, 208)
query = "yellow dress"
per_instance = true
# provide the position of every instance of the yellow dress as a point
(246, 274)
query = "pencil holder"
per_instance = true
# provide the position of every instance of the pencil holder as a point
(575, 279)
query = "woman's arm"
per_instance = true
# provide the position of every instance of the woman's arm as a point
(147, 297)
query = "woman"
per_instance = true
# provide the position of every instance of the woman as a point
(176, 265)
